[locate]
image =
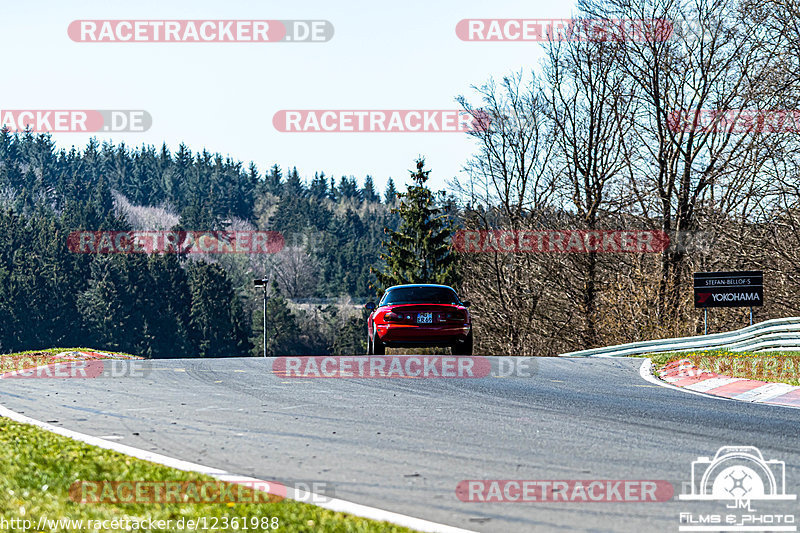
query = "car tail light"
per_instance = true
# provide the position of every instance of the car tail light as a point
(391, 316)
(452, 317)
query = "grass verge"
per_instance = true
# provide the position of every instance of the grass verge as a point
(776, 367)
(55, 351)
(38, 469)
(34, 358)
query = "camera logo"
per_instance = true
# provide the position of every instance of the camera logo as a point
(738, 473)
(737, 476)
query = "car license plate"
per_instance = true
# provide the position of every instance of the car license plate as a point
(424, 318)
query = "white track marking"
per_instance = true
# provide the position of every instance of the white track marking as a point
(646, 372)
(294, 494)
(766, 392)
(712, 383)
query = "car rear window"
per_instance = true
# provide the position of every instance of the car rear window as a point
(420, 295)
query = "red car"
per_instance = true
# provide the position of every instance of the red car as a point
(419, 315)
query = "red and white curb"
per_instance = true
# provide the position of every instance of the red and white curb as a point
(62, 359)
(686, 376)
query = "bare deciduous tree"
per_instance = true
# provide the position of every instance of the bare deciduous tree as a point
(714, 60)
(648, 130)
(590, 104)
(296, 271)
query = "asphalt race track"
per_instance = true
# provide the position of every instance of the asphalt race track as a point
(404, 444)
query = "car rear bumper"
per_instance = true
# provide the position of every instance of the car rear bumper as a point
(411, 335)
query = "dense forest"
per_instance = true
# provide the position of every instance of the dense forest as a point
(670, 135)
(171, 305)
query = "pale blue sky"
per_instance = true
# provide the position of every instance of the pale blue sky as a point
(399, 55)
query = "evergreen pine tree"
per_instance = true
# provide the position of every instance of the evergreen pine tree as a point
(349, 339)
(168, 303)
(282, 328)
(319, 186)
(390, 196)
(293, 188)
(105, 306)
(348, 188)
(213, 328)
(419, 251)
(273, 180)
(368, 191)
(333, 194)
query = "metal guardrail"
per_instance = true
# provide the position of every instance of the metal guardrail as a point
(342, 300)
(776, 334)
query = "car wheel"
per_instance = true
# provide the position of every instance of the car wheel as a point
(378, 348)
(463, 348)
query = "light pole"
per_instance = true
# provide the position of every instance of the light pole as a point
(263, 283)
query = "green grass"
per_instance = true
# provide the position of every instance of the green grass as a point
(37, 469)
(776, 367)
(54, 351)
(35, 358)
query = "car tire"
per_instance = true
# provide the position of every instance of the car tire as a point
(463, 348)
(378, 348)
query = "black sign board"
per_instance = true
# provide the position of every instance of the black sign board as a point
(729, 289)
